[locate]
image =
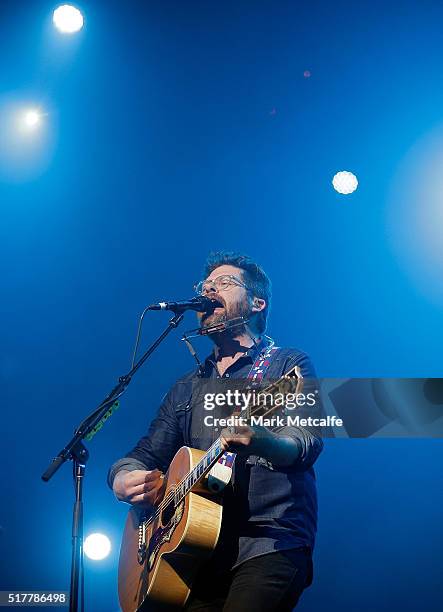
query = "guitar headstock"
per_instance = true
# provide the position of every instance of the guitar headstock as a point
(291, 383)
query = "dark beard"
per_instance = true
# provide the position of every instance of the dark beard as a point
(234, 311)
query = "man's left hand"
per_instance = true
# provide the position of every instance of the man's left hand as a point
(245, 439)
(260, 441)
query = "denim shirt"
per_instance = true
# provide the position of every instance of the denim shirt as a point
(267, 508)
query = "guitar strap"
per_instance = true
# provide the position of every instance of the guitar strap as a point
(221, 473)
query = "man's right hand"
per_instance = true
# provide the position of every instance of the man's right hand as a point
(142, 488)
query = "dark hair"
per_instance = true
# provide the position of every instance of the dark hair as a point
(254, 277)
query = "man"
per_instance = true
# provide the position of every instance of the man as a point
(263, 557)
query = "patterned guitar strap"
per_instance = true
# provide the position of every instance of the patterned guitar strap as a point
(221, 473)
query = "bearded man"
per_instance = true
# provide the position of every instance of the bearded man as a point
(263, 559)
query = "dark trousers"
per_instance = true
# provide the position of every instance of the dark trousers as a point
(269, 583)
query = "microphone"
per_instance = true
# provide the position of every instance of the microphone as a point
(199, 303)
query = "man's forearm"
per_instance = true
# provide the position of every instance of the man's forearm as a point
(279, 449)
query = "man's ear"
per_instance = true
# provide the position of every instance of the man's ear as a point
(258, 304)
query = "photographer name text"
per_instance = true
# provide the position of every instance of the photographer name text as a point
(274, 421)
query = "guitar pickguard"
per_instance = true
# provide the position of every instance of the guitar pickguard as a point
(163, 534)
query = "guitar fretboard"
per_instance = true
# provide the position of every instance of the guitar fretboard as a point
(198, 471)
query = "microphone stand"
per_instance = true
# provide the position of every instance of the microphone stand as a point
(76, 451)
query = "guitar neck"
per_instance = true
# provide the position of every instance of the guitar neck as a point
(199, 471)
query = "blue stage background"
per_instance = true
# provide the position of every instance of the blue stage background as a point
(174, 128)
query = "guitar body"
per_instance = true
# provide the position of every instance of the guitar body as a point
(178, 541)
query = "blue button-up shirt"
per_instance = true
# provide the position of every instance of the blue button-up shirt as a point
(266, 508)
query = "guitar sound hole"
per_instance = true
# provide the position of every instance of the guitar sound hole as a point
(168, 513)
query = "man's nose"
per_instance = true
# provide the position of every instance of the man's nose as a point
(211, 290)
(213, 294)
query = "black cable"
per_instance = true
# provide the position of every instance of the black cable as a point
(137, 339)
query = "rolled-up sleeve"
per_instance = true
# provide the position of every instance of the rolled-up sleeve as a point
(157, 448)
(309, 445)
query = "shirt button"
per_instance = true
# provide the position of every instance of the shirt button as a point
(227, 375)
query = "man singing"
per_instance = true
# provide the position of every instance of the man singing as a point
(263, 559)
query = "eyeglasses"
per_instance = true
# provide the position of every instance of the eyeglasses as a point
(220, 283)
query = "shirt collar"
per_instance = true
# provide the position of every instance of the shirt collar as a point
(250, 355)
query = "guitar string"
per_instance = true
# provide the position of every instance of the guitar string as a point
(164, 503)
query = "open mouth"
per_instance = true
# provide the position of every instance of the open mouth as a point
(217, 308)
(217, 304)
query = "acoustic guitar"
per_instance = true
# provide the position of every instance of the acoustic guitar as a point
(163, 549)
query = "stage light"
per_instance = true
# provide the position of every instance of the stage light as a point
(345, 182)
(31, 118)
(97, 546)
(67, 19)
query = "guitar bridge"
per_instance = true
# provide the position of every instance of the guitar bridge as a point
(141, 552)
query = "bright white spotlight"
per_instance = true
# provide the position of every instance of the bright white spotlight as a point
(67, 19)
(31, 118)
(345, 182)
(97, 546)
